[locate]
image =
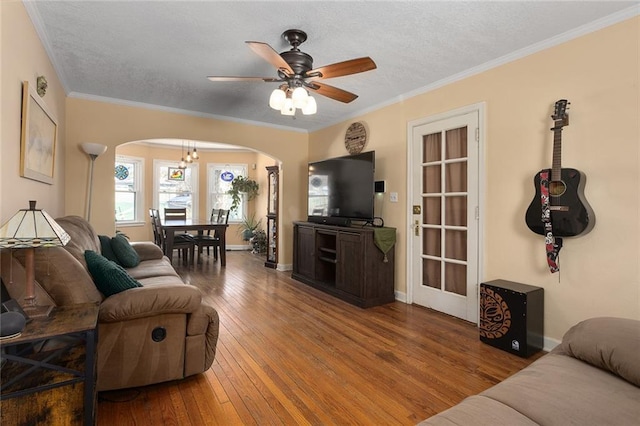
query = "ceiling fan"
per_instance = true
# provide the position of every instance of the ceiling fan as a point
(295, 70)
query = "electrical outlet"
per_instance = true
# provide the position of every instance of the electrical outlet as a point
(393, 197)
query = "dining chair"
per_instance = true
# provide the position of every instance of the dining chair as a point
(175, 214)
(153, 214)
(206, 240)
(184, 243)
(212, 241)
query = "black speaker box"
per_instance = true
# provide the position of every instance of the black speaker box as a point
(512, 316)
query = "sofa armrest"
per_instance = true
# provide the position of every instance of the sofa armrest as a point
(150, 301)
(205, 322)
(147, 250)
(201, 319)
(612, 344)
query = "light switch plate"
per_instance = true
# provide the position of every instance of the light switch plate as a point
(393, 197)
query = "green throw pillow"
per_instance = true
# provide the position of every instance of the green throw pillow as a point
(127, 255)
(109, 277)
(105, 248)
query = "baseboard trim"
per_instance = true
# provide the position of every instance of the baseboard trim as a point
(548, 343)
(284, 267)
(401, 296)
(237, 247)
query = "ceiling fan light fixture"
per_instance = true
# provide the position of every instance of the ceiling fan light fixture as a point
(288, 108)
(299, 97)
(296, 74)
(310, 107)
(277, 99)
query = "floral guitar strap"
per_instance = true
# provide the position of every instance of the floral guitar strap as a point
(553, 245)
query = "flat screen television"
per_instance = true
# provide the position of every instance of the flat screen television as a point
(341, 189)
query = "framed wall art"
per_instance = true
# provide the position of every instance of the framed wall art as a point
(175, 173)
(38, 137)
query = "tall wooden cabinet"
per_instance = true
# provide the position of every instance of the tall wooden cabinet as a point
(272, 216)
(344, 262)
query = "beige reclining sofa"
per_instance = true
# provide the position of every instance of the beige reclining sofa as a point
(155, 333)
(591, 378)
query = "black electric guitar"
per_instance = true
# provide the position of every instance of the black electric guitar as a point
(571, 215)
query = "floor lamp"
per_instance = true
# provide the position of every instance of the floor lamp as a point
(93, 150)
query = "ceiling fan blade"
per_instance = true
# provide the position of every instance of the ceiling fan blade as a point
(226, 78)
(331, 92)
(268, 54)
(339, 69)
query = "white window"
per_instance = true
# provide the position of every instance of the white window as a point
(129, 184)
(219, 177)
(175, 187)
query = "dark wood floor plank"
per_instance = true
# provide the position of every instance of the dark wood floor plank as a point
(290, 354)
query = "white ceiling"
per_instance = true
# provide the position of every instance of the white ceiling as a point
(158, 53)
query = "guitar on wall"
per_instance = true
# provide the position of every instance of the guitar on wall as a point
(571, 215)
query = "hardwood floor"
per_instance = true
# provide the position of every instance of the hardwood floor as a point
(289, 354)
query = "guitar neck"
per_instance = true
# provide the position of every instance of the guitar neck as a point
(556, 165)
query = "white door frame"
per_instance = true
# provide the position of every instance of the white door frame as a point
(480, 109)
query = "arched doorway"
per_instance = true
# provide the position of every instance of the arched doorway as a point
(196, 188)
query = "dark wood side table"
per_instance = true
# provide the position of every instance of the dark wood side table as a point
(48, 373)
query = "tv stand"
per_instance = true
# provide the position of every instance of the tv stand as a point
(344, 262)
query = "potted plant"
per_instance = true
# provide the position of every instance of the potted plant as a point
(248, 226)
(242, 185)
(259, 242)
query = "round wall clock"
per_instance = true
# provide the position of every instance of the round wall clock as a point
(355, 138)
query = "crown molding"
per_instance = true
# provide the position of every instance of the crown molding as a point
(135, 104)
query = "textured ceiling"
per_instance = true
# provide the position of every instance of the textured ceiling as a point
(160, 52)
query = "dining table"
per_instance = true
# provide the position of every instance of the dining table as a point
(171, 226)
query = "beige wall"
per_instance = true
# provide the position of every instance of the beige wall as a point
(24, 59)
(114, 125)
(599, 75)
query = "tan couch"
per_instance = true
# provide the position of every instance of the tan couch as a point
(127, 356)
(591, 378)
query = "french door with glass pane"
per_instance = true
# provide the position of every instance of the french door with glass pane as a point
(444, 236)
